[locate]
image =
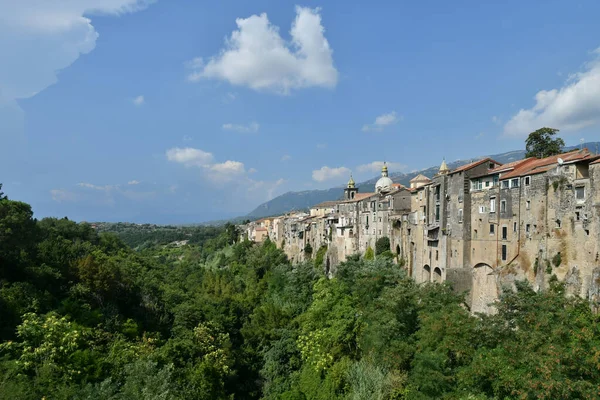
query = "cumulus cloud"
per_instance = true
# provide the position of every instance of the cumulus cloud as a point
(286, 157)
(573, 106)
(138, 101)
(252, 127)
(133, 182)
(256, 56)
(104, 188)
(326, 173)
(376, 166)
(38, 38)
(189, 156)
(382, 121)
(226, 171)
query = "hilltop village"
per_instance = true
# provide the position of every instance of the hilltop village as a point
(481, 226)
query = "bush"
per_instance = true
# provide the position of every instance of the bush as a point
(320, 256)
(557, 260)
(308, 250)
(369, 254)
(382, 245)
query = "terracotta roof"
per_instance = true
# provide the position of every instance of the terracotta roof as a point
(397, 185)
(359, 197)
(536, 166)
(326, 204)
(420, 178)
(596, 162)
(473, 165)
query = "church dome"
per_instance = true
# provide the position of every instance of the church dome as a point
(384, 184)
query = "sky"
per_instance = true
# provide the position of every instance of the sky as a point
(175, 111)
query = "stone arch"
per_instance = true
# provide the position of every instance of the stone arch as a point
(426, 273)
(437, 275)
(484, 290)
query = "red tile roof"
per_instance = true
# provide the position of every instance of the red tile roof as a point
(536, 166)
(473, 165)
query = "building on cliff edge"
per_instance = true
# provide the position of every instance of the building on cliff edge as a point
(481, 226)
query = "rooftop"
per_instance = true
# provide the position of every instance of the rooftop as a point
(532, 166)
(473, 164)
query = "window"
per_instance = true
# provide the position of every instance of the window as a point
(492, 204)
(420, 195)
(505, 184)
(514, 183)
(479, 184)
(481, 209)
(503, 206)
(492, 229)
(504, 232)
(436, 255)
(527, 180)
(528, 228)
(503, 252)
(437, 213)
(487, 183)
(558, 223)
(491, 166)
(514, 226)
(580, 192)
(460, 215)
(496, 180)
(528, 205)
(577, 216)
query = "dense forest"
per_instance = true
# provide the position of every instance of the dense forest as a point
(86, 316)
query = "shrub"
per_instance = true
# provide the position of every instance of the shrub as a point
(382, 244)
(369, 254)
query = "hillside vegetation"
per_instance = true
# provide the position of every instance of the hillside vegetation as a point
(84, 316)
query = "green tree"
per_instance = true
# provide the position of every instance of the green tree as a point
(541, 144)
(2, 195)
(369, 254)
(382, 245)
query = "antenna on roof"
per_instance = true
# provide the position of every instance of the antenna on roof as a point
(581, 143)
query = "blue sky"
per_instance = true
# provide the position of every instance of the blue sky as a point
(174, 111)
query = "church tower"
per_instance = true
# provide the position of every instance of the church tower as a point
(350, 190)
(444, 168)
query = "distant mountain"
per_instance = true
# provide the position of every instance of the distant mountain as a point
(303, 200)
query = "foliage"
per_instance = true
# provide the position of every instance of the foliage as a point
(308, 250)
(540, 143)
(369, 254)
(320, 256)
(84, 316)
(557, 260)
(382, 245)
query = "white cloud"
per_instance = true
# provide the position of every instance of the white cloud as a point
(104, 188)
(375, 166)
(133, 182)
(496, 120)
(187, 138)
(61, 195)
(38, 38)
(256, 56)
(326, 173)
(573, 106)
(228, 168)
(252, 171)
(286, 157)
(382, 121)
(189, 156)
(252, 127)
(138, 101)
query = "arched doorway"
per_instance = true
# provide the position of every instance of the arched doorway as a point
(484, 290)
(437, 275)
(426, 274)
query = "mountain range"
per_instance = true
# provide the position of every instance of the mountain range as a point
(305, 199)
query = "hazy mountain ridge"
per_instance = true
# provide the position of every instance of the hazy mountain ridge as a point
(303, 200)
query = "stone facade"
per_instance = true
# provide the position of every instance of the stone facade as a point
(481, 226)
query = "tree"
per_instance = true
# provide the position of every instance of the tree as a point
(540, 143)
(369, 255)
(382, 245)
(2, 195)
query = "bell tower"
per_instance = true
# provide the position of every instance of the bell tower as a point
(350, 190)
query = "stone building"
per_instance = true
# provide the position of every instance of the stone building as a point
(480, 226)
